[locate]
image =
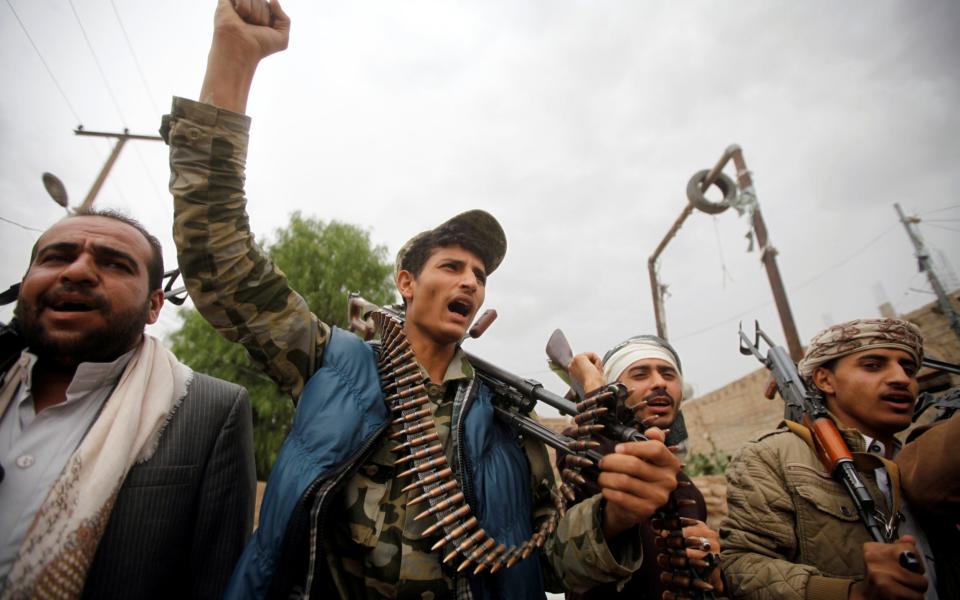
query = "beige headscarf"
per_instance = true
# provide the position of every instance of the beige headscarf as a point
(861, 334)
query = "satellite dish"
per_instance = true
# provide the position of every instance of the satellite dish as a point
(55, 189)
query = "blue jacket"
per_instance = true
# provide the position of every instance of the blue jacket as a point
(339, 421)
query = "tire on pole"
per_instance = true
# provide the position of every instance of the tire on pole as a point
(695, 195)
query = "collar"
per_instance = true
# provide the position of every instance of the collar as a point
(88, 377)
(459, 368)
(875, 446)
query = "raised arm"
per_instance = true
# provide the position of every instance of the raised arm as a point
(243, 34)
(231, 280)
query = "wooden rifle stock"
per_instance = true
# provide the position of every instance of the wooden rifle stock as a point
(829, 444)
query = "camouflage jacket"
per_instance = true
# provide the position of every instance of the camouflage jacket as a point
(247, 299)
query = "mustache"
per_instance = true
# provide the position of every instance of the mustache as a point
(658, 394)
(82, 294)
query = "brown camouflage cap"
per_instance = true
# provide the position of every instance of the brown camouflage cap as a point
(476, 230)
(861, 334)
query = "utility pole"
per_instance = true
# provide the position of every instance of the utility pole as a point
(923, 263)
(121, 140)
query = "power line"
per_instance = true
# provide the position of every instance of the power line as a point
(926, 224)
(21, 226)
(45, 65)
(845, 260)
(936, 210)
(792, 288)
(103, 76)
(136, 62)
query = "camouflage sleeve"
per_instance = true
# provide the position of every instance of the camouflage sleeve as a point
(233, 283)
(577, 557)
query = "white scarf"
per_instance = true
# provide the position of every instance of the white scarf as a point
(59, 547)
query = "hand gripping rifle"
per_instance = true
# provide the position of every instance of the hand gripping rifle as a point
(515, 397)
(602, 412)
(806, 405)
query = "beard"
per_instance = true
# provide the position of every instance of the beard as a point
(122, 331)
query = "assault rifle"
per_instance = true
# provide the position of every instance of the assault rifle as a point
(515, 397)
(806, 405)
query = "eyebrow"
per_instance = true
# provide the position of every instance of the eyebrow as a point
(99, 250)
(885, 358)
(645, 368)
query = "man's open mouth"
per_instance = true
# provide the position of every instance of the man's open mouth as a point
(660, 401)
(461, 307)
(905, 399)
(72, 307)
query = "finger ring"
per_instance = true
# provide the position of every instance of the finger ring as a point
(704, 543)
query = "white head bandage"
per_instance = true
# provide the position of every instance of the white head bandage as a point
(634, 349)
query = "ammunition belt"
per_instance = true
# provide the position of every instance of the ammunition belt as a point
(413, 427)
(683, 576)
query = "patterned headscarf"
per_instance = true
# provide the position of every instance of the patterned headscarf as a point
(858, 335)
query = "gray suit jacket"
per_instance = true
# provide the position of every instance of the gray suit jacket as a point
(182, 518)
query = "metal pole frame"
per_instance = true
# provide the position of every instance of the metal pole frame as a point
(767, 253)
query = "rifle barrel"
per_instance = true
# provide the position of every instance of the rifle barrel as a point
(528, 387)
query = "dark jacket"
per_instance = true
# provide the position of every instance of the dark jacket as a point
(181, 519)
(339, 420)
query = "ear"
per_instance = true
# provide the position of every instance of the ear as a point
(406, 282)
(824, 380)
(156, 303)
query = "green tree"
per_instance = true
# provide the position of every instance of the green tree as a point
(323, 262)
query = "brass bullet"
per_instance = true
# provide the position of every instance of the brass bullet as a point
(488, 560)
(412, 429)
(462, 548)
(414, 403)
(440, 506)
(437, 491)
(586, 404)
(405, 393)
(414, 378)
(431, 478)
(417, 441)
(589, 415)
(476, 554)
(586, 430)
(434, 449)
(430, 464)
(578, 461)
(447, 520)
(405, 356)
(417, 414)
(457, 532)
(571, 475)
(699, 584)
(578, 445)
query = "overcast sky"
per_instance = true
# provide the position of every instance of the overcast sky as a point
(577, 124)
